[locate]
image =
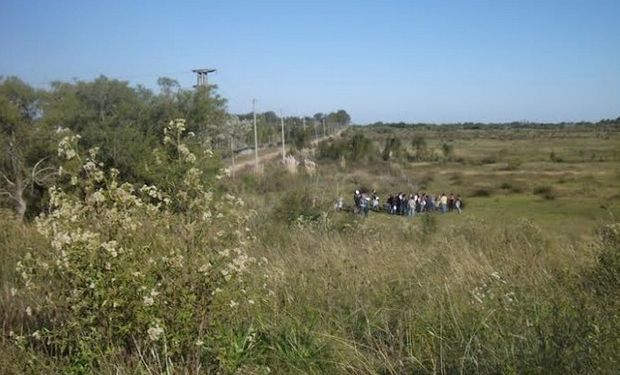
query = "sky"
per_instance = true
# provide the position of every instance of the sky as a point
(413, 61)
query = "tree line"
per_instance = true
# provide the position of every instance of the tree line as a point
(125, 123)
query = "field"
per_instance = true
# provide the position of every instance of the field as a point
(525, 280)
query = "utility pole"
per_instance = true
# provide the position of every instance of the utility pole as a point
(255, 137)
(232, 155)
(283, 147)
(201, 76)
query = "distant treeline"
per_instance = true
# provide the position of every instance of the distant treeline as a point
(602, 124)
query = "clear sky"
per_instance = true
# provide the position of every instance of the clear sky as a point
(415, 61)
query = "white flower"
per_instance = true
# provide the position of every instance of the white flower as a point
(205, 268)
(36, 335)
(98, 197)
(29, 311)
(13, 292)
(251, 301)
(155, 332)
(233, 304)
(148, 301)
(199, 342)
(110, 247)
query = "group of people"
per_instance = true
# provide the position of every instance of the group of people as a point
(403, 204)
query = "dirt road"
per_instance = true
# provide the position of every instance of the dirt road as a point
(278, 152)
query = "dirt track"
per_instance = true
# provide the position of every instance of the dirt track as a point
(270, 155)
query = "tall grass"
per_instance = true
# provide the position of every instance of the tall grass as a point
(470, 298)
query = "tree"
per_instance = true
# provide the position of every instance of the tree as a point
(168, 87)
(392, 149)
(318, 116)
(205, 111)
(24, 158)
(342, 118)
(108, 114)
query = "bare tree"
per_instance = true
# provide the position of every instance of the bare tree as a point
(18, 178)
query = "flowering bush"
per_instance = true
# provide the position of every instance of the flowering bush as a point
(136, 270)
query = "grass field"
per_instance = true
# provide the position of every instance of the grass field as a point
(525, 280)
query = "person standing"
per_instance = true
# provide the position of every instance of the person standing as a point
(451, 201)
(356, 201)
(364, 203)
(411, 206)
(443, 203)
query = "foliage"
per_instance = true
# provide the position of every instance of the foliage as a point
(545, 191)
(134, 271)
(420, 146)
(298, 206)
(25, 148)
(448, 150)
(356, 148)
(392, 149)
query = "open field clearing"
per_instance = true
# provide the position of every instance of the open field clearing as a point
(131, 249)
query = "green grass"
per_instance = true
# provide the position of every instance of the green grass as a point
(515, 284)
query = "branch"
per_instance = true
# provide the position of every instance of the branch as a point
(11, 183)
(36, 173)
(7, 194)
(34, 169)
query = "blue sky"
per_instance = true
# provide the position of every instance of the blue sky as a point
(417, 61)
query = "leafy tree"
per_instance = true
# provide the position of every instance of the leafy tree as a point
(24, 145)
(205, 111)
(270, 117)
(108, 114)
(168, 87)
(341, 117)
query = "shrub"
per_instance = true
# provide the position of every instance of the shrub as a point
(448, 150)
(392, 149)
(512, 187)
(555, 158)
(135, 270)
(429, 224)
(425, 180)
(456, 179)
(491, 159)
(512, 165)
(481, 192)
(358, 148)
(545, 191)
(298, 205)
